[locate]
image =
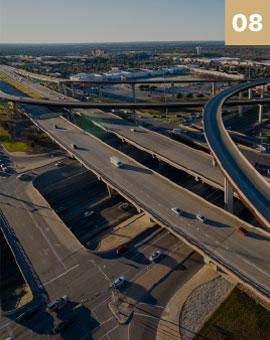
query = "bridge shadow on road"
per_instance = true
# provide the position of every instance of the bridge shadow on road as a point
(260, 237)
(137, 169)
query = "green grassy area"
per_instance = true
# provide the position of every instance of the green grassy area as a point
(238, 318)
(21, 87)
(11, 144)
(169, 120)
(152, 112)
(3, 114)
(86, 124)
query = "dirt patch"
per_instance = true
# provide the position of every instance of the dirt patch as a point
(125, 232)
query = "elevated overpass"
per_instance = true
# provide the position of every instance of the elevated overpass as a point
(120, 106)
(245, 258)
(218, 239)
(58, 80)
(240, 175)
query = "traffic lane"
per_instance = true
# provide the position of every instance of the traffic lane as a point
(255, 190)
(159, 194)
(137, 174)
(36, 233)
(136, 260)
(161, 145)
(163, 241)
(147, 315)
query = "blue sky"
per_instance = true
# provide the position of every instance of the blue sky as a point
(45, 21)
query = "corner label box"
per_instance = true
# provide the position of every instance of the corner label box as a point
(247, 22)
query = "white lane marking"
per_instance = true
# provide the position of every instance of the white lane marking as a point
(111, 330)
(103, 323)
(61, 275)
(101, 303)
(149, 304)
(5, 325)
(129, 330)
(47, 239)
(147, 316)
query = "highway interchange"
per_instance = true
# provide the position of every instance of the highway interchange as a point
(243, 257)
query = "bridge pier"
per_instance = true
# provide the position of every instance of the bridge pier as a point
(64, 90)
(213, 90)
(260, 118)
(208, 261)
(228, 195)
(262, 92)
(72, 90)
(59, 87)
(240, 107)
(99, 91)
(160, 164)
(133, 87)
(250, 94)
(214, 163)
(111, 191)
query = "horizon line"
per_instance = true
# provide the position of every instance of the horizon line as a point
(109, 42)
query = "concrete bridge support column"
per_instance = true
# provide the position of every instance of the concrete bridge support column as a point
(133, 86)
(240, 107)
(64, 89)
(72, 90)
(160, 165)
(208, 261)
(213, 89)
(111, 191)
(228, 195)
(260, 118)
(99, 91)
(262, 92)
(59, 87)
(249, 94)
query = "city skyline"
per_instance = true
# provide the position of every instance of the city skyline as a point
(106, 21)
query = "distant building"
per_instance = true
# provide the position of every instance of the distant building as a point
(98, 53)
(198, 50)
(131, 74)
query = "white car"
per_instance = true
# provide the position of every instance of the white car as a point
(177, 211)
(201, 218)
(59, 164)
(88, 213)
(118, 282)
(155, 255)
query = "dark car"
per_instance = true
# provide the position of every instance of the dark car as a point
(122, 249)
(57, 304)
(62, 325)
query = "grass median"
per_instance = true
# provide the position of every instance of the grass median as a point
(239, 317)
(19, 86)
(11, 144)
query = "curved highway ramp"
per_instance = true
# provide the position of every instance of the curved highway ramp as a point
(251, 187)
